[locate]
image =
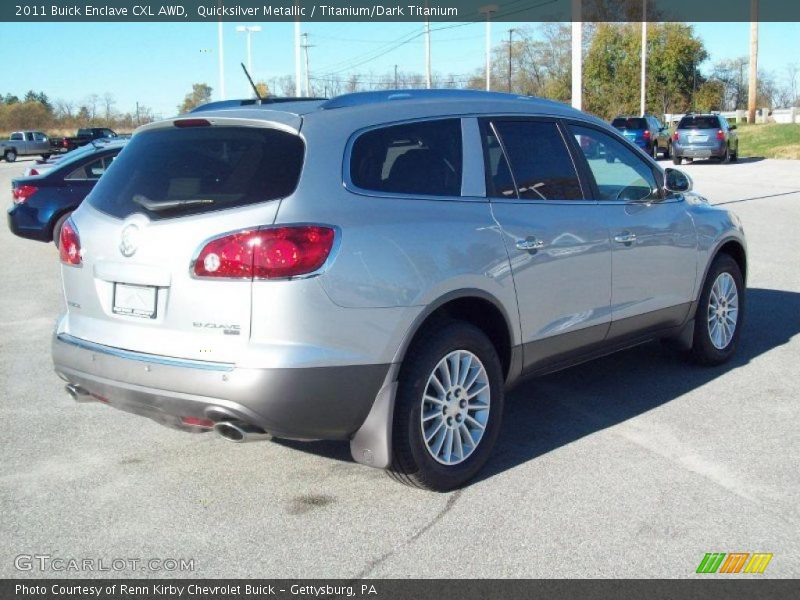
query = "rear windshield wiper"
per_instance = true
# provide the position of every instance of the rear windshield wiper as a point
(167, 204)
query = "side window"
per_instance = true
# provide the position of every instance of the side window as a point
(619, 173)
(499, 183)
(539, 160)
(16, 137)
(95, 169)
(415, 158)
(39, 137)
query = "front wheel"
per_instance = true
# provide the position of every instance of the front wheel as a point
(448, 409)
(10, 156)
(720, 312)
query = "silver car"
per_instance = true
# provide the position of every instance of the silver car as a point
(704, 136)
(379, 267)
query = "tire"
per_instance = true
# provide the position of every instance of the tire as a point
(45, 156)
(726, 158)
(714, 344)
(689, 160)
(668, 151)
(57, 227)
(10, 156)
(676, 160)
(609, 159)
(735, 155)
(413, 460)
(655, 151)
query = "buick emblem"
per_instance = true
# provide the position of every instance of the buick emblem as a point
(130, 240)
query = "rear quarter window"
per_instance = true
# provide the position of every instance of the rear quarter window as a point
(175, 172)
(421, 158)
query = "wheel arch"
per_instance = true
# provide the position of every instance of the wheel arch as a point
(474, 306)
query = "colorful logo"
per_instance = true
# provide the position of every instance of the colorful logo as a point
(734, 562)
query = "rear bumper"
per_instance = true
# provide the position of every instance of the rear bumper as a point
(303, 403)
(23, 224)
(696, 151)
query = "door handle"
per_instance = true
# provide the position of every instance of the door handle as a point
(626, 237)
(530, 244)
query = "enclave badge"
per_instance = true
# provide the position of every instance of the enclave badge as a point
(130, 240)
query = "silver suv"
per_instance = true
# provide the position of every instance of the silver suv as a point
(379, 267)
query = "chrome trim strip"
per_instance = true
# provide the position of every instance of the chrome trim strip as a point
(141, 357)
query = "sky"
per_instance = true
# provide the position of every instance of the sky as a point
(156, 64)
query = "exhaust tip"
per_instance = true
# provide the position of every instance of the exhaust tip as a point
(239, 432)
(77, 393)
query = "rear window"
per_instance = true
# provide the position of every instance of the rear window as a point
(699, 123)
(630, 123)
(175, 172)
(416, 158)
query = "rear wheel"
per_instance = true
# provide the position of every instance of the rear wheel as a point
(448, 409)
(726, 158)
(720, 311)
(655, 150)
(45, 156)
(735, 155)
(676, 160)
(10, 155)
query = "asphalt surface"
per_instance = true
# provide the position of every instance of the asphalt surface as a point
(635, 465)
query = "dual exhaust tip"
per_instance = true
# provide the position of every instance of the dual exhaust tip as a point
(232, 430)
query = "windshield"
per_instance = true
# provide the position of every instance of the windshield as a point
(699, 123)
(174, 171)
(629, 123)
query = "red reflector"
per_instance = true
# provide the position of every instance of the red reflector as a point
(191, 123)
(647, 134)
(69, 244)
(675, 136)
(23, 192)
(198, 422)
(270, 253)
(34, 172)
(720, 135)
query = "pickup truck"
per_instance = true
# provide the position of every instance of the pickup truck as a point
(86, 135)
(27, 143)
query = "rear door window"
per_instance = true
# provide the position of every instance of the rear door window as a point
(174, 172)
(698, 122)
(421, 158)
(540, 163)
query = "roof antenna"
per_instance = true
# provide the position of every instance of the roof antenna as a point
(252, 85)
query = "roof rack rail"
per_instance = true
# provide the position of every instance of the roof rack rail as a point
(375, 97)
(252, 102)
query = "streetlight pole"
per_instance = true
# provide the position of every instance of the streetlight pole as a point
(249, 30)
(642, 92)
(221, 61)
(488, 10)
(577, 55)
(427, 52)
(306, 46)
(297, 52)
(752, 93)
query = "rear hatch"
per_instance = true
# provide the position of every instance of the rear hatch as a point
(698, 130)
(632, 128)
(171, 190)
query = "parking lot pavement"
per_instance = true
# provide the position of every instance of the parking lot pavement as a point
(635, 465)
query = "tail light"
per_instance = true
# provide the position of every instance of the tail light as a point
(720, 135)
(64, 143)
(646, 134)
(675, 136)
(69, 244)
(23, 192)
(269, 253)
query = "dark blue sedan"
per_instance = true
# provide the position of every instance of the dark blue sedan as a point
(42, 203)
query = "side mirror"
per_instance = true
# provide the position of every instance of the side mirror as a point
(732, 126)
(677, 181)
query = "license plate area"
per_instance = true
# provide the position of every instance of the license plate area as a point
(135, 300)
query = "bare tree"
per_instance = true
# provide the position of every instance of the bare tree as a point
(108, 107)
(91, 103)
(64, 109)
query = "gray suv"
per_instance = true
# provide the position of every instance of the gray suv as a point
(704, 136)
(379, 267)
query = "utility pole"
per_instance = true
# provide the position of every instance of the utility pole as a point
(306, 46)
(488, 10)
(138, 121)
(395, 77)
(643, 90)
(577, 55)
(249, 30)
(427, 52)
(753, 83)
(510, 33)
(297, 53)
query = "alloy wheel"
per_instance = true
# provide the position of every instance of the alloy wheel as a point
(723, 310)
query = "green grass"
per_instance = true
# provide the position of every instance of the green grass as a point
(771, 140)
